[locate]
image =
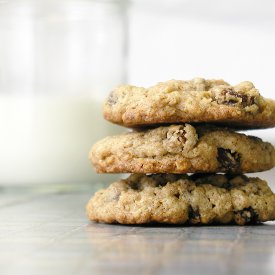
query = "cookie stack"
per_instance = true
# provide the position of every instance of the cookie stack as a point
(186, 159)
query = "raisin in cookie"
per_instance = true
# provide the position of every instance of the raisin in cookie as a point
(197, 100)
(178, 199)
(182, 149)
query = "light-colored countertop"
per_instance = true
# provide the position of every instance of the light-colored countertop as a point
(43, 230)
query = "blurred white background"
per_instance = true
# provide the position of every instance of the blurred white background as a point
(59, 59)
(182, 39)
(76, 49)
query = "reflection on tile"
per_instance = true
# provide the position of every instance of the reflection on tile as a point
(50, 234)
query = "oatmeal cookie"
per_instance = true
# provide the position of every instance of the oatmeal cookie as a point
(180, 199)
(194, 101)
(182, 149)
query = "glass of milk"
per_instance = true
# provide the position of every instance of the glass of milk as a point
(58, 62)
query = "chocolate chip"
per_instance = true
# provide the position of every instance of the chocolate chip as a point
(229, 161)
(198, 176)
(135, 185)
(194, 215)
(252, 100)
(245, 100)
(230, 102)
(247, 215)
(201, 178)
(227, 185)
(112, 99)
(177, 195)
(160, 180)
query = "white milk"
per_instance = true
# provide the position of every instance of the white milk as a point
(47, 139)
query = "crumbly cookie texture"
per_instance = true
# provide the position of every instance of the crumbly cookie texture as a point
(182, 149)
(197, 100)
(179, 199)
